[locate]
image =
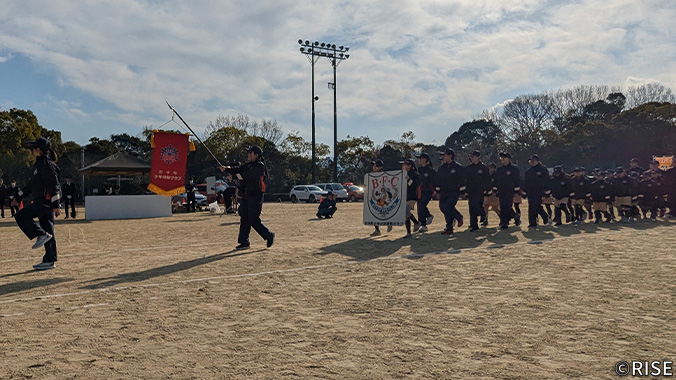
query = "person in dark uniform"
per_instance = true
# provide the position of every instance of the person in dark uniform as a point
(46, 191)
(190, 189)
(651, 191)
(601, 193)
(412, 194)
(507, 184)
(252, 177)
(229, 194)
(14, 194)
(669, 178)
(3, 196)
(536, 179)
(623, 188)
(610, 179)
(561, 190)
(427, 178)
(450, 181)
(581, 192)
(634, 167)
(327, 207)
(491, 199)
(69, 191)
(477, 185)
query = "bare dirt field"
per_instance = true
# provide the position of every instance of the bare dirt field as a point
(170, 298)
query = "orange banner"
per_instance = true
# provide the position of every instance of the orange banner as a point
(666, 162)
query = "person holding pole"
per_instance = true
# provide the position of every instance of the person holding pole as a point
(252, 177)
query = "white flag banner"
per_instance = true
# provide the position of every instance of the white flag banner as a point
(385, 198)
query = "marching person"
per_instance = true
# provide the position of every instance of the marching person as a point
(535, 187)
(670, 184)
(412, 194)
(377, 167)
(581, 192)
(651, 191)
(69, 190)
(3, 196)
(14, 194)
(491, 199)
(561, 189)
(427, 178)
(252, 177)
(450, 181)
(601, 193)
(44, 186)
(507, 184)
(634, 167)
(623, 187)
(478, 184)
(327, 207)
(190, 190)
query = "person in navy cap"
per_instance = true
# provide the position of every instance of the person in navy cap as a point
(377, 166)
(561, 189)
(14, 194)
(478, 184)
(46, 192)
(491, 200)
(507, 184)
(69, 192)
(450, 181)
(190, 189)
(535, 187)
(252, 177)
(412, 194)
(327, 207)
(581, 193)
(427, 178)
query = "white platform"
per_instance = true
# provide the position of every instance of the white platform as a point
(99, 207)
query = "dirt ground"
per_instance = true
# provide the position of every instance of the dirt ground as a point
(170, 298)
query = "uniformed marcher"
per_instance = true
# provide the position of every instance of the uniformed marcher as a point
(252, 177)
(535, 187)
(651, 191)
(561, 189)
(412, 194)
(623, 187)
(581, 192)
(507, 184)
(450, 181)
(601, 192)
(14, 194)
(669, 178)
(491, 199)
(634, 167)
(3, 196)
(190, 189)
(427, 177)
(46, 193)
(69, 191)
(478, 184)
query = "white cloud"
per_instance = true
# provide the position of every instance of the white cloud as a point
(426, 66)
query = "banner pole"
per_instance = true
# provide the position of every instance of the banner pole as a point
(194, 134)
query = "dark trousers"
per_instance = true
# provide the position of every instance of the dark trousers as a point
(2, 208)
(228, 194)
(535, 209)
(70, 202)
(250, 217)
(25, 219)
(329, 211)
(423, 211)
(476, 208)
(14, 209)
(447, 202)
(190, 201)
(506, 210)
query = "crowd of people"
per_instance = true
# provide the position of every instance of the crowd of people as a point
(600, 196)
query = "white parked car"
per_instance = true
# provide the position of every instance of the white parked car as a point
(336, 188)
(308, 193)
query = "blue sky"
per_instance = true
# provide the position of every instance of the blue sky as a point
(97, 68)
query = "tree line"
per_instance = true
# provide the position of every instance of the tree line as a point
(593, 126)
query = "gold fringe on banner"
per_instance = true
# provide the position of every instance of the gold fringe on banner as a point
(192, 145)
(166, 193)
(152, 138)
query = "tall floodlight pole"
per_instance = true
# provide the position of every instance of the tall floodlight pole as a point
(335, 55)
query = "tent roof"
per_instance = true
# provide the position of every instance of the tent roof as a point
(117, 164)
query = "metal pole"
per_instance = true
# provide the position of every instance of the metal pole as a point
(314, 150)
(82, 165)
(335, 123)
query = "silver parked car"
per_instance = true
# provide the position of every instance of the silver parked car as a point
(336, 188)
(308, 193)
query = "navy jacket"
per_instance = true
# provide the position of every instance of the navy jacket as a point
(477, 179)
(450, 177)
(536, 180)
(44, 184)
(508, 179)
